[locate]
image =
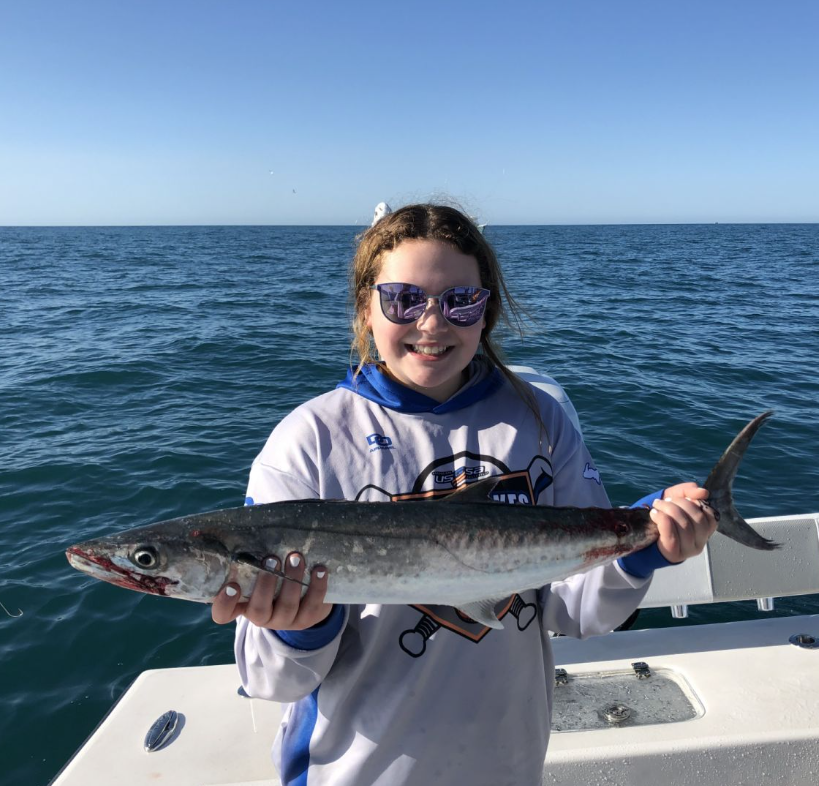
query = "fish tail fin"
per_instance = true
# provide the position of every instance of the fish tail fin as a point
(720, 485)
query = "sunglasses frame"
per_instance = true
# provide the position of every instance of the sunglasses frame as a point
(427, 298)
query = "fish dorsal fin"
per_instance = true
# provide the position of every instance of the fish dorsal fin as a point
(478, 491)
(483, 611)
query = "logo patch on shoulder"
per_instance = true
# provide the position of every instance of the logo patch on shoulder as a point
(379, 442)
(591, 473)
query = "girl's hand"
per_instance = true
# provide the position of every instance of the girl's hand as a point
(288, 611)
(684, 520)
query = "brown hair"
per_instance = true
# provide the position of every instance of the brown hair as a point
(446, 225)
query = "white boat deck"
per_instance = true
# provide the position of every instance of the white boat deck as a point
(221, 738)
(760, 722)
(758, 692)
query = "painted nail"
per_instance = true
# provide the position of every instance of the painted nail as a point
(295, 560)
(271, 564)
(230, 592)
(320, 574)
(667, 499)
(653, 513)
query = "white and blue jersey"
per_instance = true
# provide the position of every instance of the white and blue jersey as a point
(400, 695)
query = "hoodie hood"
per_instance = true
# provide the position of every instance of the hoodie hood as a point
(376, 386)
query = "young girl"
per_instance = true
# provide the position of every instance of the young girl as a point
(424, 695)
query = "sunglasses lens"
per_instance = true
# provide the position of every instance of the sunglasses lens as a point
(402, 303)
(464, 306)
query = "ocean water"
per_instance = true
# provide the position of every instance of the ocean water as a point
(141, 369)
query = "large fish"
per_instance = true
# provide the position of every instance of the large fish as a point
(465, 551)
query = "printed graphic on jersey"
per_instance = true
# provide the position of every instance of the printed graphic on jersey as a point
(379, 442)
(459, 477)
(414, 640)
(591, 473)
(439, 479)
(443, 476)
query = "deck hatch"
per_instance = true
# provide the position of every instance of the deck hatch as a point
(584, 701)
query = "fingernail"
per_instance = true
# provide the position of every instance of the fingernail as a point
(653, 513)
(320, 574)
(271, 564)
(295, 560)
(668, 499)
(230, 592)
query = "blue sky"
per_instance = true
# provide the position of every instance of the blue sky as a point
(613, 111)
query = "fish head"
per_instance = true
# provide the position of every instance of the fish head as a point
(187, 565)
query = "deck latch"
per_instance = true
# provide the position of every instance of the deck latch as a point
(161, 731)
(804, 640)
(617, 713)
(641, 670)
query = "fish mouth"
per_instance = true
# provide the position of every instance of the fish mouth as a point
(103, 568)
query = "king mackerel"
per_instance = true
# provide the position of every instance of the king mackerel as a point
(465, 551)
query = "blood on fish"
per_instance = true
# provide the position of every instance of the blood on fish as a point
(601, 553)
(596, 521)
(154, 585)
(149, 584)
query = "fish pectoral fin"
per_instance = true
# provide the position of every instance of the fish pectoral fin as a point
(477, 491)
(483, 611)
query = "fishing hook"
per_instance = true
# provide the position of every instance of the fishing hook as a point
(9, 613)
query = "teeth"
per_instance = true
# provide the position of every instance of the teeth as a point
(429, 350)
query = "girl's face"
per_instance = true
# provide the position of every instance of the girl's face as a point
(428, 355)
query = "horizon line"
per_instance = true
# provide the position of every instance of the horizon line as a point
(364, 227)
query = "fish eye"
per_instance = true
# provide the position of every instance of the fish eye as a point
(145, 557)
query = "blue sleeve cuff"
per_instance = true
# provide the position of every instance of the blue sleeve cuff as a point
(316, 637)
(641, 564)
(647, 501)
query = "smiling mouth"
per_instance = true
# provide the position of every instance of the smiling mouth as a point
(427, 351)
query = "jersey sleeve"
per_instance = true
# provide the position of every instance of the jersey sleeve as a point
(599, 600)
(271, 669)
(269, 666)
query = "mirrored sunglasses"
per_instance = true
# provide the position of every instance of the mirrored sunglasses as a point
(405, 303)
